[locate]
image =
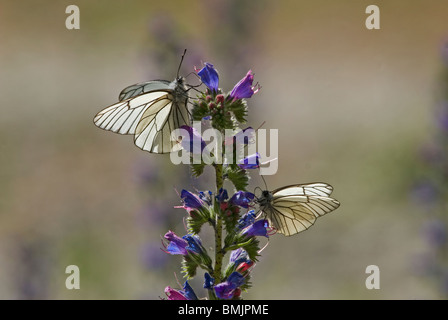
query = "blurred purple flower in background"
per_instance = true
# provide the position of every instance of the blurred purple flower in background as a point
(435, 232)
(152, 257)
(425, 192)
(431, 191)
(442, 116)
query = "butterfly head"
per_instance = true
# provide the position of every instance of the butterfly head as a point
(179, 88)
(266, 198)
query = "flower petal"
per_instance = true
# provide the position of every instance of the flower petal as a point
(173, 294)
(192, 140)
(209, 76)
(244, 89)
(242, 199)
(191, 200)
(250, 162)
(176, 245)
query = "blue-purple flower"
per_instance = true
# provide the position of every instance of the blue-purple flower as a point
(222, 195)
(250, 162)
(188, 292)
(209, 76)
(246, 220)
(226, 289)
(206, 196)
(192, 140)
(242, 199)
(191, 201)
(244, 88)
(176, 245)
(194, 243)
(208, 281)
(238, 256)
(258, 228)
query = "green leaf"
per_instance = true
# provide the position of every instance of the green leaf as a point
(237, 176)
(189, 267)
(197, 219)
(239, 110)
(197, 169)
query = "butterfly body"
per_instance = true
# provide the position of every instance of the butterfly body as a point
(295, 208)
(151, 111)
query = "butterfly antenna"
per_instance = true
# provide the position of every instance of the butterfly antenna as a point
(264, 182)
(262, 124)
(180, 64)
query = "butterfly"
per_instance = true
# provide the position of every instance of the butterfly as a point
(151, 111)
(295, 208)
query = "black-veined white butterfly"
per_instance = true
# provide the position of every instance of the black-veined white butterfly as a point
(150, 111)
(295, 208)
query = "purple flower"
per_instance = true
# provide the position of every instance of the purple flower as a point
(192, 140)
(194, 243)
(244, 89)
(209, 76)
(246, 220)
(191, 201)
(250, 162)
(186, 294)
(222, 195)
(206, 196)
(242, 199)
(435, 232)
(209, 281)
(444, 52)
(442, 116)
(152, 258)
(174, 294)
(259, 228)
(226, 289)
(177, 245)
(425, 192)
(238, 256)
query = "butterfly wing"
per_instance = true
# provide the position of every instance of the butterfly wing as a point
(295, 208)
(123, 117)
(154, 132)
(140, 88)
(150, 111)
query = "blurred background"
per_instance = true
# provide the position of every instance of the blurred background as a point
(360, 109)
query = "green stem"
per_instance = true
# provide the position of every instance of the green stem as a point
(219, 255)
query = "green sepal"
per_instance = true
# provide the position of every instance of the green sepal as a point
(239, 109)
(197, 219)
